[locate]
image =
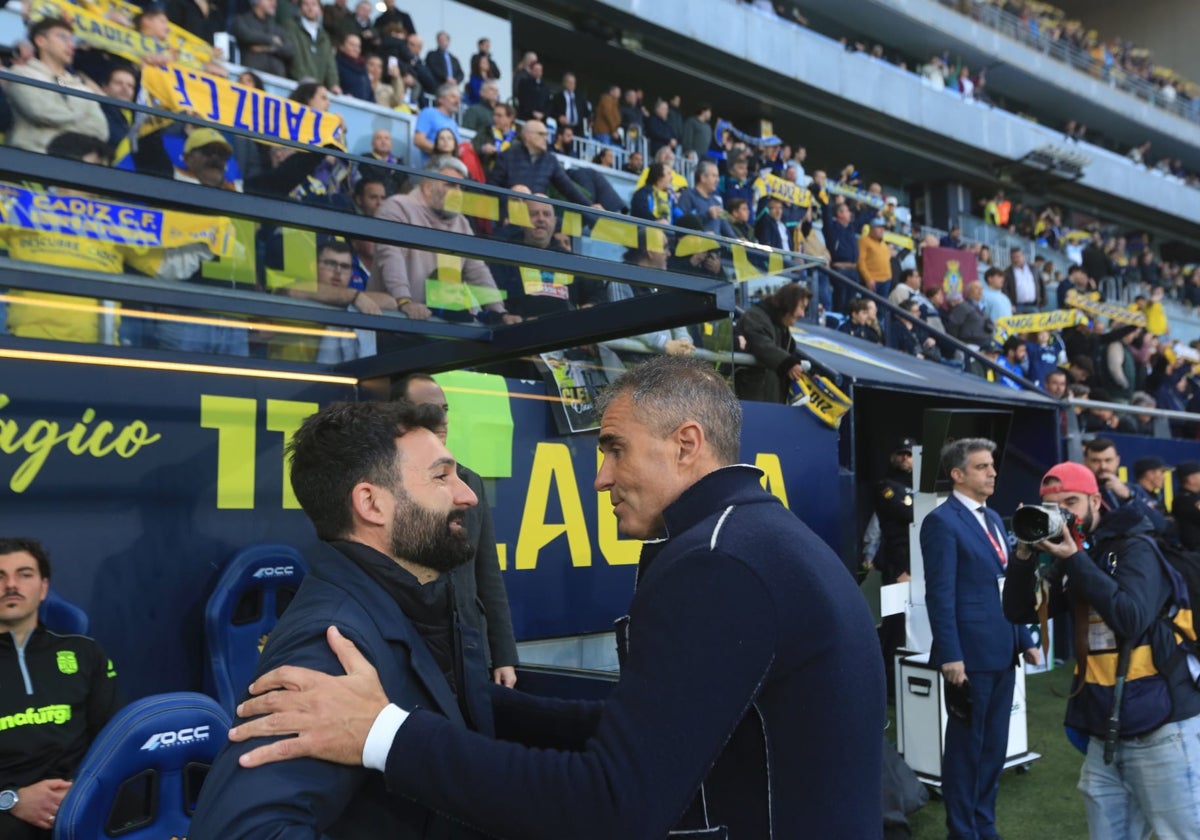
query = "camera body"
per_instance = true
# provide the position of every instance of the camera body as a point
(1041, 523)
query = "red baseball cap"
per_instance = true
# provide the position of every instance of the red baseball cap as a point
(1070, 477)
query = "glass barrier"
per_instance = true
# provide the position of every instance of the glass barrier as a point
(206, 131)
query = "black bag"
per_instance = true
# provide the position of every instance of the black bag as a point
(903, 793)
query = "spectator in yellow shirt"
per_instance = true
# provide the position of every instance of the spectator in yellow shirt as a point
(875, 258)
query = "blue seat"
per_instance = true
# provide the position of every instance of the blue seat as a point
(61, 616)
(253, 591)
(142, 776)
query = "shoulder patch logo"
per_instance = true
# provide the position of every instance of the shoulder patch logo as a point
(67, 662)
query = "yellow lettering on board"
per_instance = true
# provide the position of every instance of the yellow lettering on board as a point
(616, 551)
(772, 480)
(285, 417)
(552, 461)
(502, 555)
(233, 418)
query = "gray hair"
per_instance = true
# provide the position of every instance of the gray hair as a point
(440, 163)
(668, 391)
(445, 89)
(956, 453)
(703, 166)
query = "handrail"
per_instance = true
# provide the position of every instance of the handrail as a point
(1008, 24)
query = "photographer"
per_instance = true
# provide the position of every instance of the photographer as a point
(1106, 566)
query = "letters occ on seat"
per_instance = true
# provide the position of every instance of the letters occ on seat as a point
(253, 591)
(142, 776)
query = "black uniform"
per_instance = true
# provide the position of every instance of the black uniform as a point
(1186, 510)
(894, 507)
(55, 696)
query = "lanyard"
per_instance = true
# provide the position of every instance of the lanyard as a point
(987, 527)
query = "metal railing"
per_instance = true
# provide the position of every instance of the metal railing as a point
(1116, 77)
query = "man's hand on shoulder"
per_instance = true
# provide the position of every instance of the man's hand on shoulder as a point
(38, 803)
(330, 716)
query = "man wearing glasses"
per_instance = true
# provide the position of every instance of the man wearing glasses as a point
(39, 115)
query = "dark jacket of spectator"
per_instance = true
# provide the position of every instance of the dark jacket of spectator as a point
(517, 166)
(437, 60)
(251, 31)
(352, 75)
(771, 343)
(187, 15)
(697, 136)
(767, 233)
(532, 97)
(659, 133)
(841, 240)
(632, 115)
(692, 202)
(397, 16)
(595, 185)
(1096, 263)
(968, 324)
(558, 108)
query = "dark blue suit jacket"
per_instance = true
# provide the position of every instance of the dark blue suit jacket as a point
(962, 592)
(307, 798)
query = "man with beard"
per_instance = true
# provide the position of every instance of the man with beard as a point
(388, 506)
(1106, 569)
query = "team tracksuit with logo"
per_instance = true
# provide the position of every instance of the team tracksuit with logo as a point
(56, 693)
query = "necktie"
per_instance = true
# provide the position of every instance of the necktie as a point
(449, 66)
(987, 525)
(571, 109)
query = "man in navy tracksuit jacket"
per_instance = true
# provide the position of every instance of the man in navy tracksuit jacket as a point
(751, 698)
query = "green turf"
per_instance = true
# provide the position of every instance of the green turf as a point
(1043, 802)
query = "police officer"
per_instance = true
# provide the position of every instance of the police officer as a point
(893, 500)
(1186, 507)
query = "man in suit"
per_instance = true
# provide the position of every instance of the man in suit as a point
(442, 64)
(569, 107)
(1021, 285)
(965, 553)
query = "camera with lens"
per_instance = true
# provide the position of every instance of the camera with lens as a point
(1041, 523)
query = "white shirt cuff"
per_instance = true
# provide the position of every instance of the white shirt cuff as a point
(379, 739)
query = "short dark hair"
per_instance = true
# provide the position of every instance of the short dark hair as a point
(346, 443)
(735, 204)
(361, 186)
(11, 545)
(338, 246)
(74, 145)
(1098, 444)
(44, 25)
(1055, 372)
(1013, 342)
(992, 272)
(1083, 363)
(667, 391)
